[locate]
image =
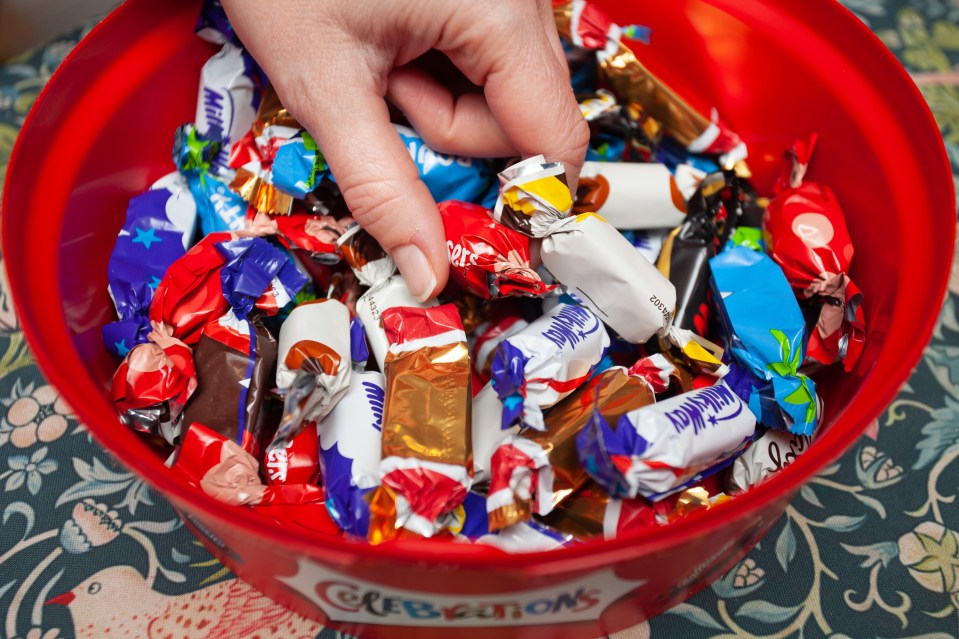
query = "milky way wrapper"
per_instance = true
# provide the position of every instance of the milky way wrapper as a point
(631, 195)
(765, 333)
(662, 448)
(487, 258)
(768, 455)
(350, 452)
(313, 366)
(426, 468)
(534, 471)
(695, 125)
(153, 383)
(603, 270)
(386, 288)
(158, 230)
(808, 238)
(546, 361)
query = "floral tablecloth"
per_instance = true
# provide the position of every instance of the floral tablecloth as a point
(869, 548)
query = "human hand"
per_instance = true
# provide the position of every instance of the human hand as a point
(333, 63)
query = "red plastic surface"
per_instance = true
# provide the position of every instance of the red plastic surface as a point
(103, 129)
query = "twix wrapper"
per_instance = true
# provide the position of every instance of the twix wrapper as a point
(696, 127)
(534, 471)
(426, 466)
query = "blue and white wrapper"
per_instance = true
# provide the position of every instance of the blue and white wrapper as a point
(158, 230)
(213, 25)
(448, 177)
(218, 208)
(350, 446)
(663, 448)
(766, 334)
(547, 361)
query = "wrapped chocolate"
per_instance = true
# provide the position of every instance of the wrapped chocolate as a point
(591, 512)
(296, 463)
(219, 208)
(624, 134)
(588, 256)
(488, 259)
(648, 242)
(213, 25)
(298, 165)
(696, 126)
(766, 332)
(223, 470)
(662, 448)
(448, 177)
(488, 338)
(662, 374)
(153, 383)
(488, 432)
(313, 366)
(534, 471)
(631, 195)
(426, 466)
(546, 361)
(530, 536)
(768, 455)
(808, 238)
(158, 230)
(387, 289)
(350, 446)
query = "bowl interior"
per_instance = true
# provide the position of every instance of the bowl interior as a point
(103, 131)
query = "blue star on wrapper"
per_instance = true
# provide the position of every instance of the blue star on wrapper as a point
(146, 237)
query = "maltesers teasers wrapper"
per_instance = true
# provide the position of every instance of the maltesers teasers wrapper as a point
(773, 451)
(387, 289)
(808, 238)
(350, 448)
(765, 331)
(153, 383)
(631, 195)
(158, 230)
(662, 448)
(696, 126)
(546, 361)
(219, 208)
(426, 467)
(534, 471)
(313, 367)
(487, 258)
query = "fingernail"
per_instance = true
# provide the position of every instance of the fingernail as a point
(416, 270)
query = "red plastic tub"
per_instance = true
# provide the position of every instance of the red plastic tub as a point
(102, 132)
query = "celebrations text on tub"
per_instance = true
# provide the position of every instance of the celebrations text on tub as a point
(345, 598)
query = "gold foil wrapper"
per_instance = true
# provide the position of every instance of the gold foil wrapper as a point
(693, 499)
(427, 414)
(614, 393)
(583, 514)
(260, 194)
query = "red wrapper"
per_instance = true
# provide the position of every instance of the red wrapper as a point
(486, 258)
(297, 463)
(190, 294)
(209, 462)
(809, 239)
(315, 234)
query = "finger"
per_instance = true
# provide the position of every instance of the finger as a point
(527, 88)
(345, 110)
(460, 125)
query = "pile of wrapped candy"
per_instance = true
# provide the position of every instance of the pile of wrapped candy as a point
(653, 364)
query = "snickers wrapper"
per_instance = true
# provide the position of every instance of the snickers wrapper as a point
(535, 471)
(426, 468)
(235, 360)
(600, 267)
(546, 361)
(663, 448)
(387, 289)
(630, 195)
(350, 447)
(696, 126)
(768, 455)
(313, 366)
(766, 332)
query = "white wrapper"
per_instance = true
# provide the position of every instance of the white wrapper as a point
(225, 101)
(355, 426)
(768, 455)
(649, 243)
(526, 537)
(547, 361)
(680, 439)
(600, 267)
(488, 432)
(370, 306)
(641, 196)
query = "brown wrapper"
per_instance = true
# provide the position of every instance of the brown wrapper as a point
(548, 461)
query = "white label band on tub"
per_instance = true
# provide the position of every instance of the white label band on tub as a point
(345, 598)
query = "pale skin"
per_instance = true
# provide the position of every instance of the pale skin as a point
(335, 63)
